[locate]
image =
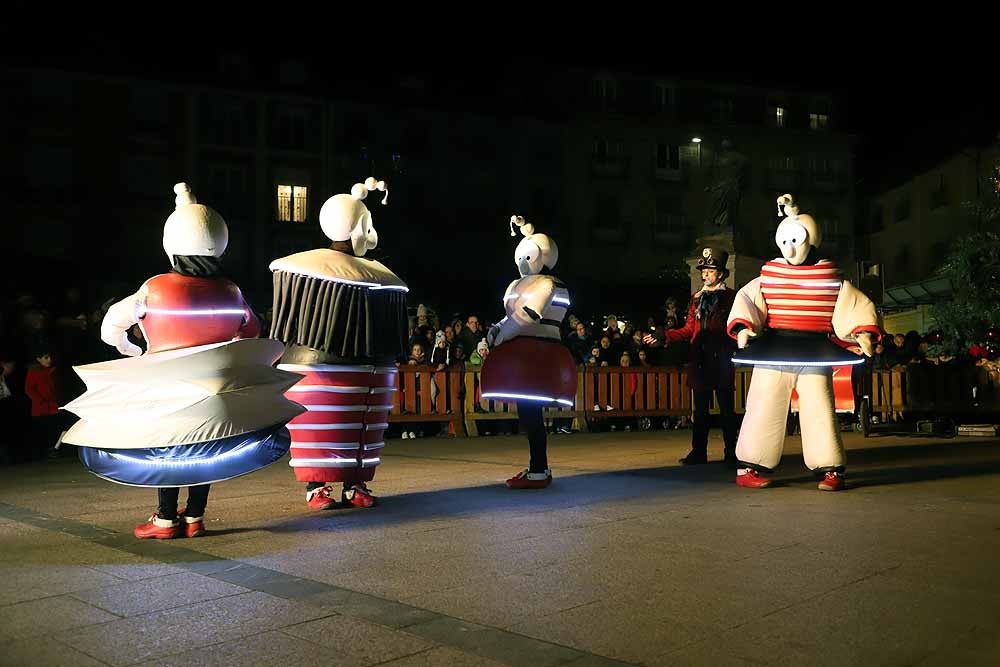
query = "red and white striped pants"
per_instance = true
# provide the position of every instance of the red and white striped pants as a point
(340, 438)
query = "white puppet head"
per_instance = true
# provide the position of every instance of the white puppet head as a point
(535, 251)
(193, 228)
(797, 234)
(345, 217)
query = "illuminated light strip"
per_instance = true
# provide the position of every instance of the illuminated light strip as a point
(374, 445)
(528, 397)
(564, 301)
(201, 311)
(378, 408)
(801, 300)
(763, 362)
(375, 427)
(336, 408)
(338, 446)
(370, 463)
(359, 283)
(383, 390)
(326, 368)
(231, 454)
(323, 463)
(802, 311)
(798, 284)
(386, 370)
(324, 427)
(330, 388)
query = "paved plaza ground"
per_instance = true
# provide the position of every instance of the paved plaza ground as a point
(627, 559)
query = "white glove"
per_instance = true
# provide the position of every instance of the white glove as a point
(744, 336)
(865, 343)
(127, 347)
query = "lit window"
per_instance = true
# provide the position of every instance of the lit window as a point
(818, 121)
(292, 203)
(779, 116)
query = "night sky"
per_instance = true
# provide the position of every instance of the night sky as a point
(911, 98)
(910, 103)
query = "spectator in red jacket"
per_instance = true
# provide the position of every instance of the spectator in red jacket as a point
(40, 386)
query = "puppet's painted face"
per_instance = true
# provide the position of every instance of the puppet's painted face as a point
(793, 241)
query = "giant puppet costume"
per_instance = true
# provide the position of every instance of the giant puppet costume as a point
(529, 364)
(204, 403)
(342, 317)
(793, 324)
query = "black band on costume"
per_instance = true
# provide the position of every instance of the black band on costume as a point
(197, 266)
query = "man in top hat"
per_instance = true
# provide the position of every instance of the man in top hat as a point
(710, 365)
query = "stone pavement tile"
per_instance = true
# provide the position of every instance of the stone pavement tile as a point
(141, 597)
(355, 641)
(269, 649)
(394, 582)
(443, 657)
(46, 616)
(875, 621)
(138, 568)
(958, 656)
(633, 631)
(502, 601)
(378, 610)
(272, 582)
(492, 643)
(38, 652)
(596, 661)
(159, 633)
(19, 583)
(978, 646)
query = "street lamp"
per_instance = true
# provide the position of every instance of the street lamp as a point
(697, 142)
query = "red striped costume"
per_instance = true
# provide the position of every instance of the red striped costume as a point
(800, 297)
(340, 437)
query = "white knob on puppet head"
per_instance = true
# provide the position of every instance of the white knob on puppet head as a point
(344, 217)
(193, 228)
(527, 228)
(786, 206)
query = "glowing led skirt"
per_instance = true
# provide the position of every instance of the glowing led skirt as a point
(786, 348)
(341, 435)
(189, 465)
(530, 369)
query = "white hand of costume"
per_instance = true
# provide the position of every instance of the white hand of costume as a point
(865, 343)
(119, 319)
(744, 336)
(127, 347)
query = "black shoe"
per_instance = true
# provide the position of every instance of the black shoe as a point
(694, 458)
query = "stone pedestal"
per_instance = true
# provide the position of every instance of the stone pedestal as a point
(742, 268)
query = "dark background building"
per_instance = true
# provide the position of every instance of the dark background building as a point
(597, 150)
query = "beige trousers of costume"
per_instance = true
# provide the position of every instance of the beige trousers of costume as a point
(762, 434)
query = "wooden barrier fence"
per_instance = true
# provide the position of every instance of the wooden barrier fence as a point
(646, 391)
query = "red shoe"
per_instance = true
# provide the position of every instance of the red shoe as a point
(360, 495)
(191, 527)
(832, 481)
(752, 479)
(530, 480)
(320, 499)
(150, 529)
